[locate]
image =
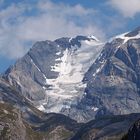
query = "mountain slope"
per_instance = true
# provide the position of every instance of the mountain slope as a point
(106, 128)
(113, 81)
(78, 77)
(81, 78)
(12, 126)
(30, 123)
(52, 127)
(59, 127)
(50, 75)
(20, 120)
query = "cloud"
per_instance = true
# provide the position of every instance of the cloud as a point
(10, 45)
(129, 8)
(24, 23)
(58, 21)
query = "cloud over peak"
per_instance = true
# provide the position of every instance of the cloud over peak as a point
(23, 23)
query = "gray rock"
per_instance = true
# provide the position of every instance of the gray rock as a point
(113, 81)
(81, 78)
(50, 75)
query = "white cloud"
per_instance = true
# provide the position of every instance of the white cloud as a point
(129, 8)
(50, 21)
(10, 45)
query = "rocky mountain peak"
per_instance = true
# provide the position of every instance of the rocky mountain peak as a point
(51, 73)
(81, 77)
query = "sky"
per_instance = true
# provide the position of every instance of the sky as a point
(23, 22)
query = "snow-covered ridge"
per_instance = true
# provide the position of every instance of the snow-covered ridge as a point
(124, 37)
(91, 39)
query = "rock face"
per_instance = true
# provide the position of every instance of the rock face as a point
(50, 75)
(113, 81)
(81, 78)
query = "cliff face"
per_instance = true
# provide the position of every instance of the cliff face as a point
(113, 81)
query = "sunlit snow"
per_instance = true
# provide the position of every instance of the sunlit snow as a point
(68, 86)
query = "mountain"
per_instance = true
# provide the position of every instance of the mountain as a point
(60, 83)
(50, 75)
(69, 76)
(81, 77)
(113, 81)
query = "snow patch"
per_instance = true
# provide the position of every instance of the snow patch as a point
(41, 108)
(39, 71)
(58, 53)
(85, 93)
(99, 69)
(70, 40)
(18, 83)
(94, 108)
(5, 111)
(68, 87)
(64, 67)
(44, 87)
(35, 65)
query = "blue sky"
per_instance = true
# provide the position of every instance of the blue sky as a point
(22, 23)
